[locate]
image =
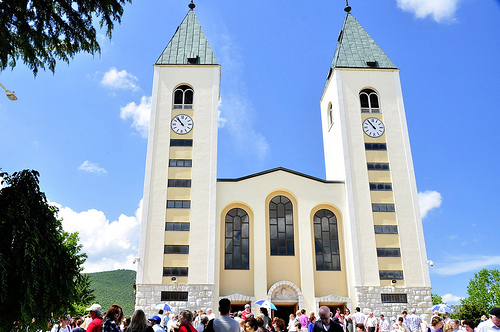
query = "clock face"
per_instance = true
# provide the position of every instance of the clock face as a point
(182, 124)
(373, 127)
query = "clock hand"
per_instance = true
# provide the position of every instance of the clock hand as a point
(371, 124)
(179, 119)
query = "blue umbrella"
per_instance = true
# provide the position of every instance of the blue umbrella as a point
(266, 304)
(442, 308)
(163, 306)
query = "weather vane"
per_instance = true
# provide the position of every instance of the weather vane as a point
(347, 7)
(191, 5)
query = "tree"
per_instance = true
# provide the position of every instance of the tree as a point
(41, 32)
(483, 294)
(40, 265)
(436, 299)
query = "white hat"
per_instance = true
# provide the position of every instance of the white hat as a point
(95, 307)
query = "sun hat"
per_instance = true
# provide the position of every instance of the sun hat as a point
(95, 307)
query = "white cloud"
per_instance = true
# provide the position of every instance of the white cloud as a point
(140, 115)
(451, 299)
(114, 79)
(440, 10)
(429, 200)
(109, 245)
(467, 264)
(87, 166)
(221, 122)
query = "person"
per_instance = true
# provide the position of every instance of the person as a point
(399, 325)
(312, 321)
(203, 322)
(413, 322)
(339, 316)
(291, 323)
(383, 324)
(171, 323)
(78, 327)
(139, 323)
(246, 313)
(112, 320)
(484, 318)
(96, 315)
(436, 324)
(358, 317)
(224, 323)
(279, 324)
(492, 324)
(304, 321)
(405, 314)
(325, 322)
(155, 321)
(447, 318)
(348, 321)
(455, 325)
(197, 319)
(360, 328)
(265, 316)
(210, 314)
(251, 324)
(371, 323)
(469, 325)
(63, 325)
(185, 320)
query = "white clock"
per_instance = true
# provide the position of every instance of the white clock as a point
(373, 127)
(182, 124)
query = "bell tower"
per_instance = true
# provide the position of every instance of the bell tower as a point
(177, 250)
(366, 145)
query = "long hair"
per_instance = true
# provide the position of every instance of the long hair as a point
(114, 309)
(138, 322)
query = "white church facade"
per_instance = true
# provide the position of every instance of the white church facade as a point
(352, 239)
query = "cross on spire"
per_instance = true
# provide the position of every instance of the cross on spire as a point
(347, 7)
(191, 5)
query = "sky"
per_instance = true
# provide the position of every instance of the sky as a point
(85, 127)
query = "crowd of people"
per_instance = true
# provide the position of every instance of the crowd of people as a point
(245, 321)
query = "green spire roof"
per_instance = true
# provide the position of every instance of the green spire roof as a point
(356, 49)
(188, 45)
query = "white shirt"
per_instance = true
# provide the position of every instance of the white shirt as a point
(487, 326)
(359, 318)
(371, 321)
(62, 329)
(226, 324)
(384, 325)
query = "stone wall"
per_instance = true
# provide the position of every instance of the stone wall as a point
(199, 297)
(419, 298)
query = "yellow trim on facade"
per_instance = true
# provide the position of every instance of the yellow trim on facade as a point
(384, 218)
(390, 263)
(379, 176)
(176, 238)
(182, 215)
(387, 240)
(380, 196)
(174, 193)
(373, 156)
(179, 172)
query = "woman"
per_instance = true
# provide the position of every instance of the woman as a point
(436, 324)
(203, 322)
(112, 320)
(399, 325)
(265, 316)
(291, 323)
(312, 320)
(279, 324)
(251, 324)
(185, 319)
(349, 325)
(469, 325)
(339, 316)
(360, 328)
(139, 323)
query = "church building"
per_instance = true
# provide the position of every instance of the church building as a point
(352, 239)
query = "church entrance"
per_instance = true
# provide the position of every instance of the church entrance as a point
(284, 312)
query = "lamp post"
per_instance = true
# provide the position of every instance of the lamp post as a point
(10, 94)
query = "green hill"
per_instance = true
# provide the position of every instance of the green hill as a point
(114, 287)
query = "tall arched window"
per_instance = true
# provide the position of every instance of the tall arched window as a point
(183, 97)
(237, 240)
(369, 101)
(326, 241)
(281, 226)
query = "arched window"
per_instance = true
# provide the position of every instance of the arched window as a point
(326, 241)
(369, 101)
(237, 240)
(330, 115)
(183, 97)
(281, 226)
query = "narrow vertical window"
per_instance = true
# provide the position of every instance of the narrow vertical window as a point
(237, 240)
(326, 240)
(330, 115)
(369, 101)
(281, 226)
(183, 97)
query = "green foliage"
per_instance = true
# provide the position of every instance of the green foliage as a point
(112, 287)
(436, 299)
(40, 265)
(483, 294)
(41, 32)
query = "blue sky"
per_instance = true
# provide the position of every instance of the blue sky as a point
(84, 128)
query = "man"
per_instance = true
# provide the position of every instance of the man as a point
(404, 314)
(171, 323)
(383, 324)
(224, 323)
(358, 317)
(455, 325)
(165, 319)
(413, 322)
(210, 314)
(371, 323)
(246, 313)
(325, 322)
(492, 324)
(399, 326)
(96, 315)
(155, 321)
(63, 325)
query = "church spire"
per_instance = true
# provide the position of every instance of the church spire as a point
(189, 45)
